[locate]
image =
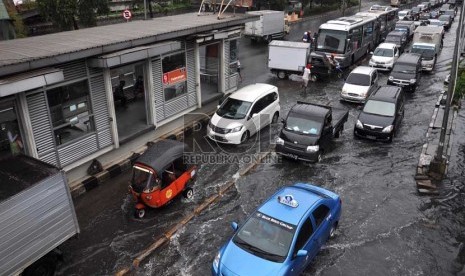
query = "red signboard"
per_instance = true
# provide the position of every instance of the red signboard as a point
(175, 76)
(127, 14)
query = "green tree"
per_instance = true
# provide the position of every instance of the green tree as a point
(67, 13)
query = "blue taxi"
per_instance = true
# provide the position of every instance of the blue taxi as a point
(283, 235)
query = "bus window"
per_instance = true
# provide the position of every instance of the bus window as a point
(331, 41)
(356, 38)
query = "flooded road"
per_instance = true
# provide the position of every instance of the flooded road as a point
(386, 228)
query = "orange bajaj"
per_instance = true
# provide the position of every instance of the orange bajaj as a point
(160, 174)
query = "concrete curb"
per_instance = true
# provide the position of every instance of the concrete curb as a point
(125, 164)
(424, 178)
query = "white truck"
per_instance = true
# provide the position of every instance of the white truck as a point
(427, 41)
(287, 57)
(36, 216)
(271, 25)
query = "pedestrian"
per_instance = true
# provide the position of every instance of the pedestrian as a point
(305, 38)
(239, 69)
(306, 76)
(310, 38)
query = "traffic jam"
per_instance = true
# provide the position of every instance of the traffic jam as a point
(289, 216)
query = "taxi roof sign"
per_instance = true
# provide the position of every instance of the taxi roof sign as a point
(288, 200)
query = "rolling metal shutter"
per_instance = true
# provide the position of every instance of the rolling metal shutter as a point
(77, 150)
(42, 128)
(191, 75)
(157, 77)
(74, 70)
(175, 106)
(100, 111)
(230, 78)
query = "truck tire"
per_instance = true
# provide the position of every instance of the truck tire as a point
(282, 75)
(45, 266)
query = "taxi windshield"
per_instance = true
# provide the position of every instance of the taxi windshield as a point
(266, 237)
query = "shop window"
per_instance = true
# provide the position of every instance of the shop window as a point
(10, 135)
(174, 76)
(70, 111)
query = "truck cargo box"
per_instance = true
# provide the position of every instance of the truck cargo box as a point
(270, 25)
(288, 56)
(36, 212)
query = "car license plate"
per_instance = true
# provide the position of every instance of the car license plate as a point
(293, 156)
(371, 137)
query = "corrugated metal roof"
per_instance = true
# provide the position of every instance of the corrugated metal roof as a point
(35, 52)
(3, 12)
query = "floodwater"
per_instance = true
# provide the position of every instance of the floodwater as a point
(386, 228)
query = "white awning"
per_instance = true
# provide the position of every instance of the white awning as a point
(30, 80)
(133, 54)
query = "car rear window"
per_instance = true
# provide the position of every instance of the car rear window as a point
(358, 79)
(379, 108)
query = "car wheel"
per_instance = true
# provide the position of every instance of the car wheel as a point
(332, 232)
(245, 136)
(282, 75)
(313, 78)
(188, 193)
(139, 213)
(275, 118)
(320, 156)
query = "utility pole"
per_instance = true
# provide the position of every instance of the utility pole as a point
(438, 164)
(145, 9)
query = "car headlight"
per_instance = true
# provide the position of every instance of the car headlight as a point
(359, 124)
(236, 129)
(391, 78)
(313, 148)
(279, 141)
(388, 129)
(344, 92)
(216, 261)
(412, 81)
(210, 124)
(371, 60)
(364, 94)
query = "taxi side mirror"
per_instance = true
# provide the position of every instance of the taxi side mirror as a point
(302, 253)
(234, 226)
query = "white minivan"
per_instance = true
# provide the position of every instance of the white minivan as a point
(244, 112)
(359, 85)
(384, 56)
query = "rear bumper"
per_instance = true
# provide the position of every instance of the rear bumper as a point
(296, 154)
(372, 135)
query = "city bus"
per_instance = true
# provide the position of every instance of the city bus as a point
(348, 38)
(385, 15)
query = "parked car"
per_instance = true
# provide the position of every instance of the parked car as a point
(405, 15)
(360, 83)
(406, 26)
(384, 56)
(308, 131)
(406, 72)
(283, 235)
(381, 115)
(446, 21)
(452, 13)
(243, 113)
(399, 38)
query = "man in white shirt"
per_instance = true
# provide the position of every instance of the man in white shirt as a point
(306, 76)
